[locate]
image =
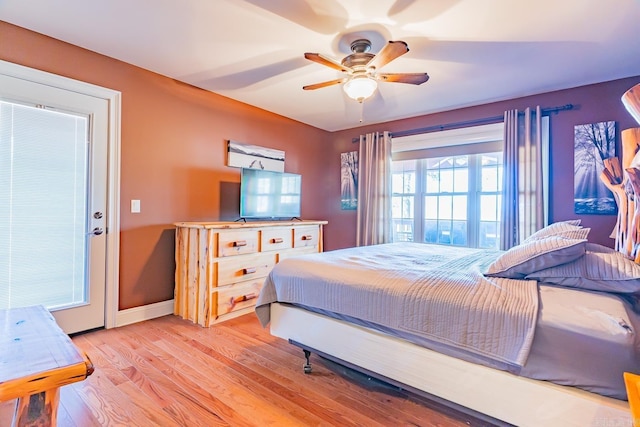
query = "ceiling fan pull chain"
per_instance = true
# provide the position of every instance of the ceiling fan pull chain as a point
(361, 111)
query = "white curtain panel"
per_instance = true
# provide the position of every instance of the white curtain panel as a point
(522, 197)
(374, 190)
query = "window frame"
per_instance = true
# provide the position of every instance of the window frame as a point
(472, 141)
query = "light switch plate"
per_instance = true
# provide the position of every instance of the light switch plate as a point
(135, 206)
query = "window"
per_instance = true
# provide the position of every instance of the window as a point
(43, 191)
(448, 195)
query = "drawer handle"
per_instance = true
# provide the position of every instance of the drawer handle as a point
(249, 270)
(307, 237)
(277, 240)
(239, 243)
(235, 300)
(246, 297)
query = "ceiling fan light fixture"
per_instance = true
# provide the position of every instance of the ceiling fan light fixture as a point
(360, 88)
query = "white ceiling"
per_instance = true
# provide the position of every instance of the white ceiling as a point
(252, 50)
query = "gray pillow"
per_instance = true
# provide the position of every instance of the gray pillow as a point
(600, 269)
(569, 229)
(538, 254)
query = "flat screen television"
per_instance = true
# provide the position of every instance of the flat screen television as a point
(269, 195)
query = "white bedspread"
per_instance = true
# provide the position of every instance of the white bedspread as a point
(432, 291)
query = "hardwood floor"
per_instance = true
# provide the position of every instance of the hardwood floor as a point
(169, 372)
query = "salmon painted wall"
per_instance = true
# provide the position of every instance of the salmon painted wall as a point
(173, 155)
(593, 103)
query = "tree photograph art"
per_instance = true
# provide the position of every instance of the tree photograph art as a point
(349, 180)
(593, 143)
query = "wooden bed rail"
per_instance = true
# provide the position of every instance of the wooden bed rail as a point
(624, 182)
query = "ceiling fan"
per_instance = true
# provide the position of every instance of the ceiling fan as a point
(362, 68)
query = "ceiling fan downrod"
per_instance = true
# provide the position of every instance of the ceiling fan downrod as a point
(360, 46)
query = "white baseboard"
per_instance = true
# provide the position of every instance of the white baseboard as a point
(145, 312)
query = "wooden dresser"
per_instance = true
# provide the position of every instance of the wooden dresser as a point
(221, 266)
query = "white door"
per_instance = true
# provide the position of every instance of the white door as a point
(53, 201)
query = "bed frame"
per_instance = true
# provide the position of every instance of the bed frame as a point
(497, 394)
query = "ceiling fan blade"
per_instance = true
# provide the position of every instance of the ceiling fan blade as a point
(323, 84)
(329, 62)
(388, 53)
(410, 78)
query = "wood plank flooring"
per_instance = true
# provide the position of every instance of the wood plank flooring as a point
(170, 372)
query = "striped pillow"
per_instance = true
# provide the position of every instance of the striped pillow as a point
(600, 269)
(535, 255)
(569, 229)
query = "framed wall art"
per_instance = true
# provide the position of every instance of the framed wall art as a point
(254, 157)
(349, 180)
(593, 143)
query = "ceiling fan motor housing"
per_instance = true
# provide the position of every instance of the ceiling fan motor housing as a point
(360, 56)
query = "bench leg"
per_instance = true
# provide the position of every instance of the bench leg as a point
(39, 409)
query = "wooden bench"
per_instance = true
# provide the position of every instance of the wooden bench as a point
(36, 359)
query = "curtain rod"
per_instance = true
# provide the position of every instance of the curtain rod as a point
(475, 122)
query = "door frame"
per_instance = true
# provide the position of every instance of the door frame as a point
(113, 98)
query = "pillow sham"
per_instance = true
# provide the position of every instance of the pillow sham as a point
(577, 233)
(538, 254)
(569, 229)
(600, 269)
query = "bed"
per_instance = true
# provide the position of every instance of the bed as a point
(526, 377)
(537, 335)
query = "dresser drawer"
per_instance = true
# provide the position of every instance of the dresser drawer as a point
(236, 297)
(247, 267)
(276, 238)
(237, 242)
(305, 236)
